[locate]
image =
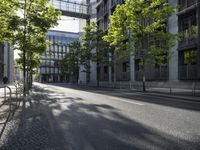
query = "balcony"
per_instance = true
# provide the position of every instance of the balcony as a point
(188, 37)
(123, 76)
(104, 77)
(186, 3)
(188, 72)
(153, 74)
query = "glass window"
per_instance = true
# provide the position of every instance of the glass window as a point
(42, 70)
(52, 70)
(190, 57)
(56, 48)
(52, 63)
(105, 69)
(125, 67)
(188, 26)
(47, 70)
(137, 65)
(60, 48)
(187, 21)
(56, 70)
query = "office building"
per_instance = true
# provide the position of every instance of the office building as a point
(50, 70)
(6, 62)
(184, 66)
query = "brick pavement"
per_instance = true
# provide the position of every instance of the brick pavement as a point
(33, 127)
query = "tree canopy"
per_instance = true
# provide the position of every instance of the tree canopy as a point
(70, 63)
(25, 23)
(94, 48)
(139, 27)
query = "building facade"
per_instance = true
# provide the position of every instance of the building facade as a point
(189, 46)
(6, 62)
(184, 65)
(50, 70)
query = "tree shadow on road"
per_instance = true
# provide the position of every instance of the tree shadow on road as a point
(91, 128)
(132, 95)
(62, 123)
(34, 127)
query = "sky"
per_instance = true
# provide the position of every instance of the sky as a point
(67, 24)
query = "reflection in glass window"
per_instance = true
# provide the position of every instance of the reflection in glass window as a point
(125, 67)
(190, 57)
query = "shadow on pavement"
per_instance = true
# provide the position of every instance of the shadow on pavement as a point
(171, 102)
(35, 128)
(50, 123)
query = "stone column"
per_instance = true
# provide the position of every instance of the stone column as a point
(132, 68)
(173, 62)
(198, 47)
(93, 72)
(110, 68)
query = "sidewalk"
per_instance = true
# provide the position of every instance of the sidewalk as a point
(185, 94)
(33, 126)
(181, 94)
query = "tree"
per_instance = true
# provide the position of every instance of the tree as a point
(94, 48)
(88, 46)
(28, 28)
(7, 16)
(70, 64)
(138, 27)
(102, 53)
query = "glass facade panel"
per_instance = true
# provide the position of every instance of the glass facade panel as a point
(52, 71)
(55, 53)
(56, 70)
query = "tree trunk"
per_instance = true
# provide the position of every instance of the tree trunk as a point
(24, 53)
(27, 81)
(31, 80)
(98, 72)
(88, 72)
(24, 73)
(114, 72)
(143, 81)
(77, 75)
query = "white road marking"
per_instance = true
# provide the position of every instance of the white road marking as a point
(127, 101)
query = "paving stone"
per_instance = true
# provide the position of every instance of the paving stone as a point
(30, 128)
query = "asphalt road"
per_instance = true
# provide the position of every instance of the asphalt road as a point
(103, 119)
(92, 119)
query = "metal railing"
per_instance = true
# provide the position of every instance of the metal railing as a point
(184, 89)
(9, 109)
(188, 72)
(186, 3)
(6, 98)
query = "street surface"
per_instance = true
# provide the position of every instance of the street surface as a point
(64, 117)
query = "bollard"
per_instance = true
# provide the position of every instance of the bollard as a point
(170, 88)
(4, 93)
(193, 88)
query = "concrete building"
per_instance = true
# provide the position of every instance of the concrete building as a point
(6, 62)
(183, 68)
(83, 76)
(49, 70)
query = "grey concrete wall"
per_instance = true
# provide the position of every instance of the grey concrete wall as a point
(82, 75)
(132, 69)
(93, 72)
(8, 62)
(173, 62)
